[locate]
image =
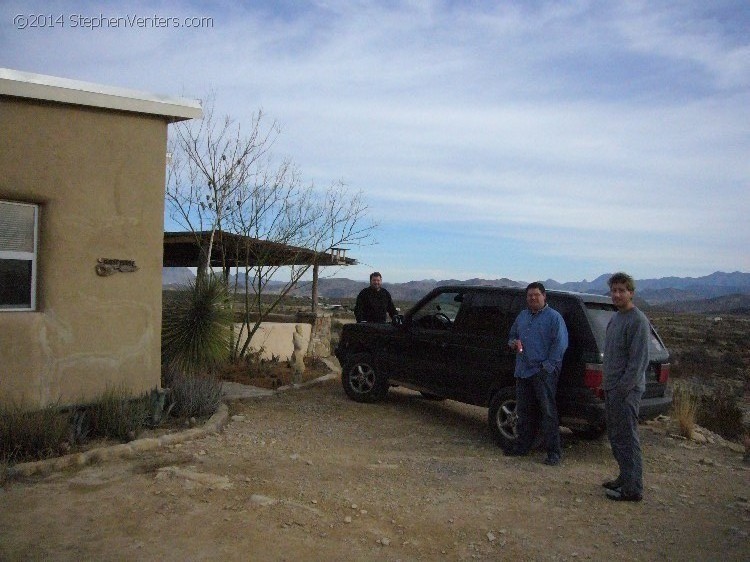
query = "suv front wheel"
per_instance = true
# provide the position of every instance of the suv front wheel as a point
(361, 379)
(502, 417)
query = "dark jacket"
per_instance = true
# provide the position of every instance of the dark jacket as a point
(373, 306)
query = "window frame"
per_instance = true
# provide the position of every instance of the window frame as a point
(32, 256)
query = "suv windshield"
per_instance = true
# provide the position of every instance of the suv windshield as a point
(600, 314)
(445, 304)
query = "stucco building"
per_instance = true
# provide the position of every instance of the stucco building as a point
(82, 173)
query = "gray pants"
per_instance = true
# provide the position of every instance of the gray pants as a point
(622, 430)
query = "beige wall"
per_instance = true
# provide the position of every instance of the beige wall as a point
(98, 176)
(276, 339)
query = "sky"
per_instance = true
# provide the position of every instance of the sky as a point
(528, 140)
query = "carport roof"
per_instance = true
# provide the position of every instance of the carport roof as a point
(28, 85)
(183, 249)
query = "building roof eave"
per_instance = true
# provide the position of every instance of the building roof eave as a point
(29, 85)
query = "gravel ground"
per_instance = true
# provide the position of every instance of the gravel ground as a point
(307, 474)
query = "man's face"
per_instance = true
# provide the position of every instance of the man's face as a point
(622, 298)
(535, 299)
(376, 282)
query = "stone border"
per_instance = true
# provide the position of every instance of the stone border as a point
(124, 450)
(215, 424)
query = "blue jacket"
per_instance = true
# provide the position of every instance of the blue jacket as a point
(544, 338)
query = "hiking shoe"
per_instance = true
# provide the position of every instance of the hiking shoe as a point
(612, 484)
(552, 460)
(619, 496)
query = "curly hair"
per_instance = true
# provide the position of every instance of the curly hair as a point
(623, 278)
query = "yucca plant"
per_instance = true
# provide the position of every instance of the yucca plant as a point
(196, 327)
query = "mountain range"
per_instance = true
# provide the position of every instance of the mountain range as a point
(717, 292)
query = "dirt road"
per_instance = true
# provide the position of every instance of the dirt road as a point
(309, 475)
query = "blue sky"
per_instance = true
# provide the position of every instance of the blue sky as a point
(528, 140)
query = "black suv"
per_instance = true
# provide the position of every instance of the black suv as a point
(453, 344)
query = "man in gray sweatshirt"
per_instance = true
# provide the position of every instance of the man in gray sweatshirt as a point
(625, 364)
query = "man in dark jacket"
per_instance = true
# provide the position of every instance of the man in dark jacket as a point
(374, 303)
(625, 364)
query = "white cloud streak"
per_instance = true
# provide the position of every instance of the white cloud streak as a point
(603, 131)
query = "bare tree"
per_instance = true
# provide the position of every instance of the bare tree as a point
(222, 180)
(211, 159)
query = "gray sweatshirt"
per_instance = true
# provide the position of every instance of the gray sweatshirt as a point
(626, 351)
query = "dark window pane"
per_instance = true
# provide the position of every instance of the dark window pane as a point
(15, 283)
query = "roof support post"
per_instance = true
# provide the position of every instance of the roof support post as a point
(315, 287)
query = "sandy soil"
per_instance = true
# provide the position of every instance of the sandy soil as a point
(307, 474)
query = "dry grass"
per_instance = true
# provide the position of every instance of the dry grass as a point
(31, 434)
(685, 408)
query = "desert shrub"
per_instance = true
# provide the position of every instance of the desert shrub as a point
(720, 413)
(685, 404)
(192, 394)
(695, 362)
(732, 360)
(31, 434)
(118, 415)
(196, 327)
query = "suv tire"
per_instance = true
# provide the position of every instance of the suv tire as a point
(361, 380)
(502, 417)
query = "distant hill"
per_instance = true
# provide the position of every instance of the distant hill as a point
(729, 304)
(175, 276)
(716, 293)
(716, 284)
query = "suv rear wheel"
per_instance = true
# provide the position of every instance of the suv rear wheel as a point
(361, 380)
(502, 417)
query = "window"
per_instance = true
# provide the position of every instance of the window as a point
(18, 243)
(489, 314)
(439, 312)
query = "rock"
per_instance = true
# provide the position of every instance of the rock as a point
(347, 519)
(491, 536)
(262, 500)
(698, 437)
(238, 418)
(190, 477)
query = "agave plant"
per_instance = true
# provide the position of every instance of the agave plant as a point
(196, 327)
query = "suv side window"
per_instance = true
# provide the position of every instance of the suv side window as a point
(488, 314)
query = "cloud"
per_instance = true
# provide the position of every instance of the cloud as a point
(570, 134)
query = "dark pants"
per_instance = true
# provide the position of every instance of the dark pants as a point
(535, 399)
(622, 430)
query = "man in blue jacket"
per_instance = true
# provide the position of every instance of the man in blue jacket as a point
(539, 338)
